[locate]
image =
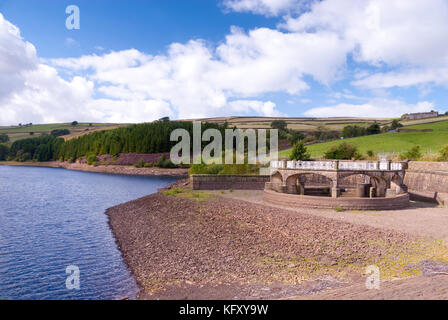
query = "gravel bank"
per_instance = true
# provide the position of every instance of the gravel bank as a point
(113, 169)
(203, 246)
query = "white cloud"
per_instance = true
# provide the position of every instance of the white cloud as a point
(198, 80)
(265, 7)
(16, 58)
(404, 78)
(402, 42)
(71, 43)
(379, 108)
(409, 36)
(128, 111)
(35, 92)
(246, 106)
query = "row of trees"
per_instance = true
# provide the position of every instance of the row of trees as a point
(358, 131)
(60, 132)
(43, 148)
(140, 138)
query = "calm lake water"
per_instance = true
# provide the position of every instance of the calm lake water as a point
(53, 218)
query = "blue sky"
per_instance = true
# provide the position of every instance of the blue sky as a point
(149, 26)
(137, 60)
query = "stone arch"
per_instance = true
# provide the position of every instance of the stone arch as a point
(396, 183)
(377, 181)
(310, 183)
(277, 178)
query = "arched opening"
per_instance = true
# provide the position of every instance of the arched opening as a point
(277, 178)
(276, 182)
(312, 184)
(396, 184)
(360, 184)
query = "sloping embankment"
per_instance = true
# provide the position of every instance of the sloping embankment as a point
(197, 245)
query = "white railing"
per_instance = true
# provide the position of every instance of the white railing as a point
(358, 165)
(341, 165)
(395, 166)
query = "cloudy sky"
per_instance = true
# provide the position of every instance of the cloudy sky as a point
(136, 61)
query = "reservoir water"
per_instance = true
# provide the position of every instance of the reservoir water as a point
(54, 218)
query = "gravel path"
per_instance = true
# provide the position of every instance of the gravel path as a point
(420, 219)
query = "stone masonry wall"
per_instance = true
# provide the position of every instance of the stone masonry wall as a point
(227, 182)
(427, 180)
(427, 176)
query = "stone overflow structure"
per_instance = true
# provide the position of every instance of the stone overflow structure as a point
(362, 185)
(346, 184)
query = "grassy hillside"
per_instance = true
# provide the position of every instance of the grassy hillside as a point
(16, 133)
(430, 136)
(300, 124)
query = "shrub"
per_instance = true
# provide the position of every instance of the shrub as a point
(370, 153)
(396, 124)
(173, 192)
(413, 154)
(149, 164)
(343, 151)
(165, 163)
(299, 152)
(353, 131)
(295, 136)
(205, 168)
(92, 159)
(23, 156)
(444, 153)
(239, 169)
(140, 164)
(373, 129)
(59, 132)
(279, 125)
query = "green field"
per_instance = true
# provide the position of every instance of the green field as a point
(394, 143)
(300, 124)
(16, 133)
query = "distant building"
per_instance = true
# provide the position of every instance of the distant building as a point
(422, 115)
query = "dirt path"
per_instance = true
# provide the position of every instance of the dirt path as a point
(420, 219)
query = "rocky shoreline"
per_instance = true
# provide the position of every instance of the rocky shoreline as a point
(112, 169)
(183, 244)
